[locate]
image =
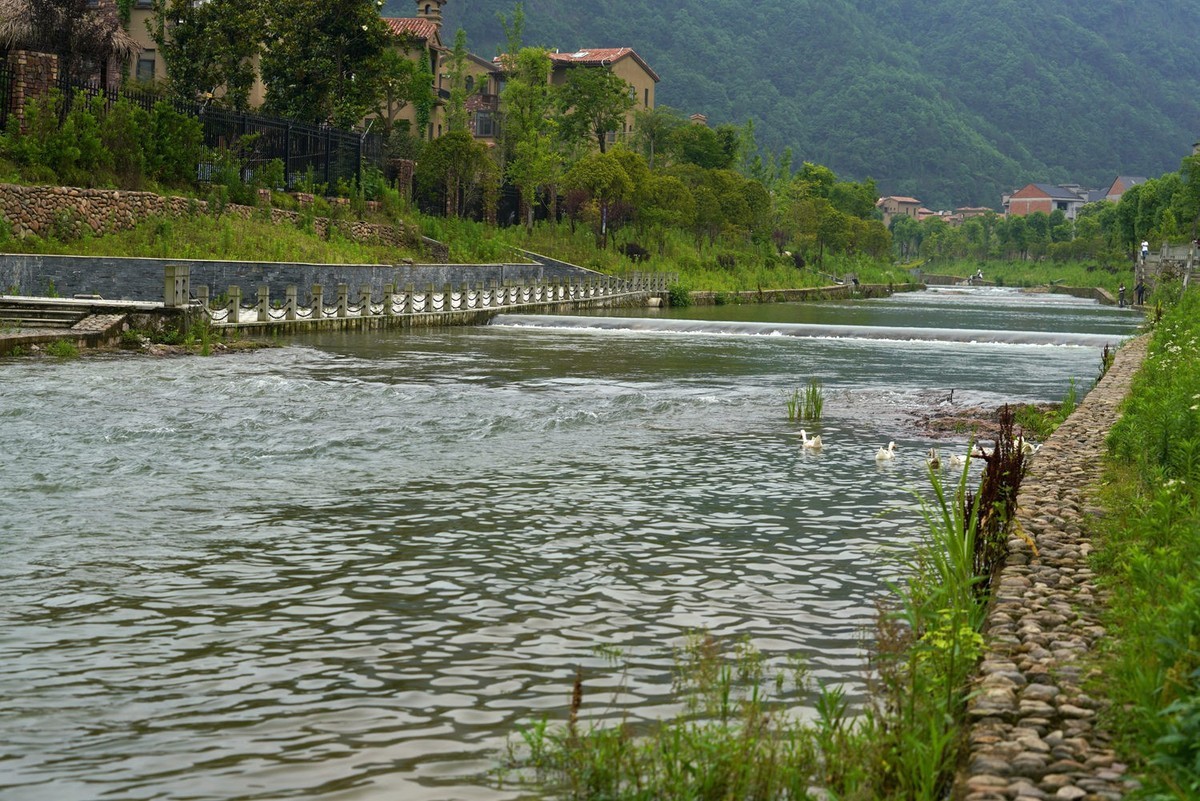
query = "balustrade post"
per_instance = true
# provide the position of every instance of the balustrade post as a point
(389, 297)
(408, 299)
(343, 300)
(447, 298)
(235, 305)
(202, 296)
(289, 311)
(364, 300)
(429, 299)
(318, 302)
(264, 303)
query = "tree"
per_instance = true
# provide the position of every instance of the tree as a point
(80, 35)
(652, 130)
(323, 59)
(403, 81)
(454, 164)
(907, 235)
(210, 48)
(528, 125)
(593, 103)
(457, 118)
(603, 178)
(700, 145)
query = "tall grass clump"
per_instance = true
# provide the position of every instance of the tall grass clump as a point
(806, 406)
(733, 738)
(814, 400)
(1150, 560)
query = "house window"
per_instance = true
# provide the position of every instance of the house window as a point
(143, 4)
(646, 102)
(145, 66)
(470, 83)
(485, 124)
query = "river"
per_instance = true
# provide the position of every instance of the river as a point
(350, 567)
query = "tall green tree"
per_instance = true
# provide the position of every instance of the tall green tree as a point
(652, 130)
(605, 181)
(457, 118)
(324, 59)
(528, 127)
(404, 82)
(210, 48)
(453, 164)
(592, 103)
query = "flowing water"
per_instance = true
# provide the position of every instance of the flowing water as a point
(350, 567)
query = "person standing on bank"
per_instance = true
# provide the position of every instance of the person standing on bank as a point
(1139, 292)
(1121, 296)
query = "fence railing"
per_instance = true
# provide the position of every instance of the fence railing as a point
(6, 92)
(327, 154)
(230, 309)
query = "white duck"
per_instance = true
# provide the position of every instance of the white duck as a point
(811, 443)
(957, 460)
(885, 454)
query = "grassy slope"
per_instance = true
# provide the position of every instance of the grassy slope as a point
(1150, 560)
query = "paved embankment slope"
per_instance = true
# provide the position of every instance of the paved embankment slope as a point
(1034, 730)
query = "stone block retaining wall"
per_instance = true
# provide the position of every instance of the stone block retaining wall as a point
(1034, 727)
(116, 278)
(42, 209)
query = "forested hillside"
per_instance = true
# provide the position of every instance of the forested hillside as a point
(951, 102)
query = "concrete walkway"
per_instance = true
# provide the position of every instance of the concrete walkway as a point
(1034, 728)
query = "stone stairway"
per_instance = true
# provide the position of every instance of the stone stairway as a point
(21, 314)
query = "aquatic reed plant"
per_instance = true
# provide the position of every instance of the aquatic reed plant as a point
(814, 400)
(808, 406)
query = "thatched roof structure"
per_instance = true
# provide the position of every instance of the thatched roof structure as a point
(69, 29)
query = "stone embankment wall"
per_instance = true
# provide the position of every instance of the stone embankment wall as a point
(43, 210)
(1034, 726)
(116, 278)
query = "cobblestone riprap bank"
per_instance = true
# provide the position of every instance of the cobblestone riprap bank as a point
(1033, 727)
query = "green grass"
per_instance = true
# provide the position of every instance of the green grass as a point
(224, 238)
(1149, 559)
(63, 349)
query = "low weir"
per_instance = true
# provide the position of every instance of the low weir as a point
(806, 330)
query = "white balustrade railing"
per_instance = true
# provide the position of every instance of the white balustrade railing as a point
(230, 309)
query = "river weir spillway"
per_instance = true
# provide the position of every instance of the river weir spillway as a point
(813, 331)
(352, 566)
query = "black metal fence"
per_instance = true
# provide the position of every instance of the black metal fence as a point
(322, 153)
(6, 86)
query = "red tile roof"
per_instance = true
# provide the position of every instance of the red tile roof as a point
(413, 26)
(600, 56)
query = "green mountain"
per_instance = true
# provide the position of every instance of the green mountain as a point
(953, 102)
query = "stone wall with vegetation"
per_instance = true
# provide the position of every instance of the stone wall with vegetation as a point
(65, 212)
(1035, 723)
